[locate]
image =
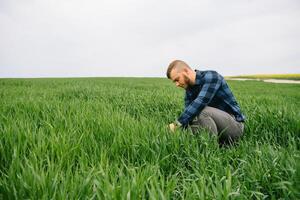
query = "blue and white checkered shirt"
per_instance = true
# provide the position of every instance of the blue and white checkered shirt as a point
(210, 89)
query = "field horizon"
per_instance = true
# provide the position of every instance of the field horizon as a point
(269, 76)
(289, 76)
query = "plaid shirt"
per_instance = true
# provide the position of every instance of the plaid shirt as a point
(210, 89)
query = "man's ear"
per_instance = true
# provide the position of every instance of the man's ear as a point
(185, 70)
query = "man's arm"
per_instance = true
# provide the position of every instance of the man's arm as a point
(212, 82)
(187, 100)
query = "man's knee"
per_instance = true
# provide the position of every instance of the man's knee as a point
(206, 112)
(204, 116)
(204, 121)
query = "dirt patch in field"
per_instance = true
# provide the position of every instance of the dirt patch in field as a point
(266, 80)
(281, 81)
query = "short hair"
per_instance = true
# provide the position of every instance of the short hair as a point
(176, 64)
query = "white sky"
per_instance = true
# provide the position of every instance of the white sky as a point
(61, 38)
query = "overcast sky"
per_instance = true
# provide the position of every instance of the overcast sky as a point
(58, 38)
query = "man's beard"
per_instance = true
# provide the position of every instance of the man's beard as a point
(187, 81)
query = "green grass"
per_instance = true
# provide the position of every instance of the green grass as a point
(270, 76)
(106, 138)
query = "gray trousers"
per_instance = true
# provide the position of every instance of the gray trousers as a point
(218, 123)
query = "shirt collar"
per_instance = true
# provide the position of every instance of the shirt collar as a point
(198, 81)
(199, 75)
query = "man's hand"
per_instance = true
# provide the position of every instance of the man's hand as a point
(172, 127)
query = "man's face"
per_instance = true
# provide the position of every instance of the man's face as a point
(181, 78)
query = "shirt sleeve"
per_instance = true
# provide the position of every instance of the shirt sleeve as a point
(212, 82)
(187, 100)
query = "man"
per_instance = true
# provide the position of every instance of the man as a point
(209, 103)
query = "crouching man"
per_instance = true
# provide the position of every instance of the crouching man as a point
(209, 103)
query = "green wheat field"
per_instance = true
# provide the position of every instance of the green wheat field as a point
(106, 138)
